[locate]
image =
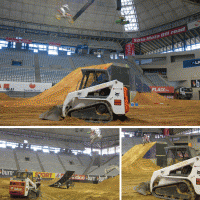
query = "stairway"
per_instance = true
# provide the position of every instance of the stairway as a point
(61, 163)
(37, 69)
(16, 160)
(41, 166)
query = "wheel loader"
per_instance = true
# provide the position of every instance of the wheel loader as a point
(102, 95)
(23, 185)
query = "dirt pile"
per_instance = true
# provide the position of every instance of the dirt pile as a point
(134, 163)
(110, 184)
(5, 97)
(57, 94)
(84, 191)
(150, 99)
(136, 169)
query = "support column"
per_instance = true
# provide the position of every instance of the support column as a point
(184, 42)
(172, 43)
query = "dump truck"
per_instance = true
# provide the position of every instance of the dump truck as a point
(183, 93)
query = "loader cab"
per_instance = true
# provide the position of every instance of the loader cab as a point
(92, 77)
(176, 154)
(23, 175)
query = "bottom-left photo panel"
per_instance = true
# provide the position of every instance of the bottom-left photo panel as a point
(59, 163)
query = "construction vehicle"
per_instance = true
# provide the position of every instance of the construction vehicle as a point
(23, 185)
(64, 181)
(183, 93)
(102, 95)
(178, 181)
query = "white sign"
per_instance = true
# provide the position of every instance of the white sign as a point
(24, 86)
(194, 24)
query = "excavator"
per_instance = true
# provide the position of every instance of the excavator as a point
(103, 94)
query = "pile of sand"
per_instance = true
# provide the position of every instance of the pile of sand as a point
(110, 184)
(5, 97)
(57, 94)
(150, 99)
(134, 163)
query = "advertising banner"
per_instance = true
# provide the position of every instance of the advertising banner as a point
(55, 44)
(92, 178)
(194, 24)
(129, 49)
(191, 63)
(19, 40)
(7, 172)
(44, 174)
(59, 175)
(166, 131)
(159, 89)
(74, 177)
(78, 177)
(171, 32)
(24, 86)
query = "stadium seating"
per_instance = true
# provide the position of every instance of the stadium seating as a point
(85, 159)
(101, 170)
(7, 160)
(156, 80)
(7, 55)
(50, 162)
(72, 163)
(28, 160)
(86, 60)
(145, 80)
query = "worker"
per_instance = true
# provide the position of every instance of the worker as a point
(38, 181)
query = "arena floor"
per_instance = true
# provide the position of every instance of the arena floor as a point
(107, 190)
(178, 113)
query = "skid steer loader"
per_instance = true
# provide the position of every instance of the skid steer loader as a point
(23, 185)
(178, 181)
(102, 94)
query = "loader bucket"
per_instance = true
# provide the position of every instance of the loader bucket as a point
(143, 188)
(54, 114)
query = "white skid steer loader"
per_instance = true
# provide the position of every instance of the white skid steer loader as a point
(100, 96)
(178, 181)
(23, 185)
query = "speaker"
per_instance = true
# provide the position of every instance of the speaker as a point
(118, 4)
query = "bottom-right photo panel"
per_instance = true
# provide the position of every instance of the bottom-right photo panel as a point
(160, 163)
